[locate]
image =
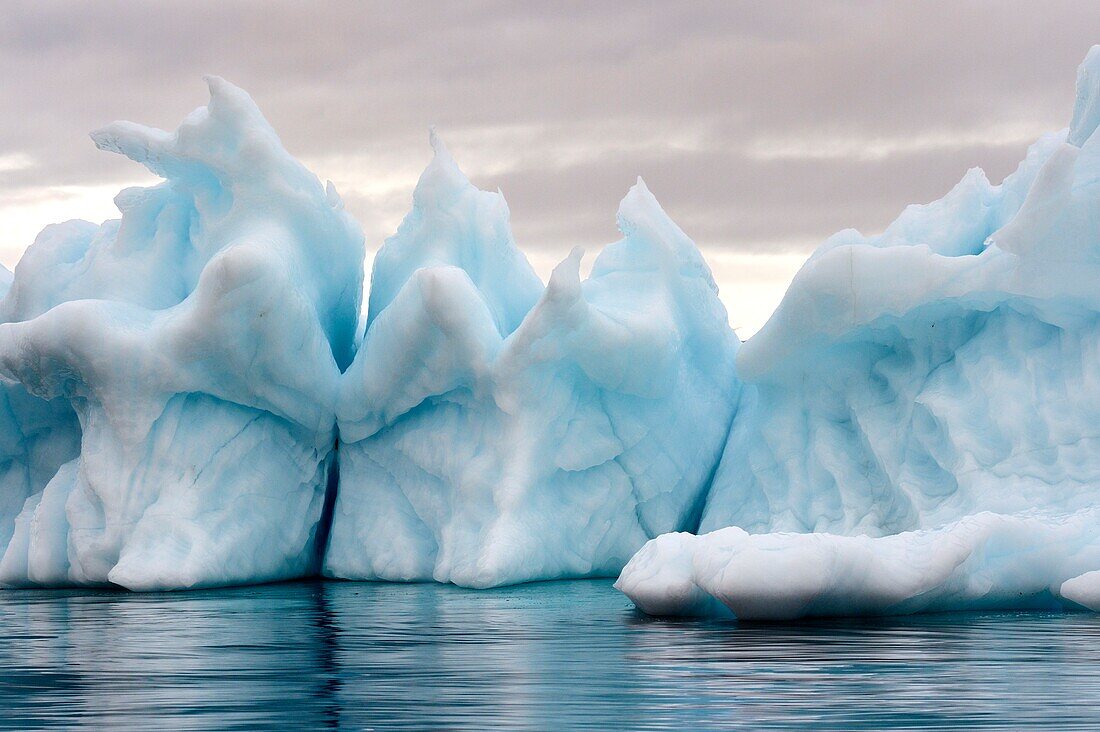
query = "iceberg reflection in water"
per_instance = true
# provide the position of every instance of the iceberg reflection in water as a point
(550, 655)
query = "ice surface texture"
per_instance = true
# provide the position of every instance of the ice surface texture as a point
(947, 368)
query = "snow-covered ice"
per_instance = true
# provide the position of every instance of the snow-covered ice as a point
(912, 382)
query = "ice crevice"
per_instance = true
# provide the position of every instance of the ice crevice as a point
(193, 397)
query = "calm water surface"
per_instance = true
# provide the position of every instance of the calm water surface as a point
(553, 656)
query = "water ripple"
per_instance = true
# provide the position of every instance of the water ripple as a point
(565, 655)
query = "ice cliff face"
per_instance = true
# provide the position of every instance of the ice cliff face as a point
(495, 431)
(185, 361)
(944, 369)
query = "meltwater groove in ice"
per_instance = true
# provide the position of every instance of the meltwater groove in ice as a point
(912, 403)
(192, 349)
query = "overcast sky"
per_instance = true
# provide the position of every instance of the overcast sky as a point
(761, 127)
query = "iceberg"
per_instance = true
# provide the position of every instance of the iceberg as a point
(171, 377)
(493, 430)
(193, 395)
(919, 427)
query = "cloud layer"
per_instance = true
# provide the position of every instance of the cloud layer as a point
(761, 129)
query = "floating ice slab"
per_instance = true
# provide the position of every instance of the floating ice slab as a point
(982, 562)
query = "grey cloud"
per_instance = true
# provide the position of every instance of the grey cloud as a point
(337, 78)
(724, 199)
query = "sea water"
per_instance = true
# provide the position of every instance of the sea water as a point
(554, 655)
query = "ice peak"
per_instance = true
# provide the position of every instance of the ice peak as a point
(438, 146)
(565, 279)
(442, 178)
(229, 136)
(637, 205)
(1086, 112)
(453, 223)
(652, 240)
(224, 94)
